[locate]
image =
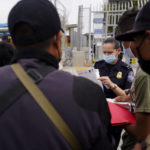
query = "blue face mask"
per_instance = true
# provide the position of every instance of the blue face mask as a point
(109, 59)
(127, 51)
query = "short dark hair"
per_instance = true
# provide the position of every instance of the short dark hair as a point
(23, 31)
(127, 20)
(6, 53)
(113, 41)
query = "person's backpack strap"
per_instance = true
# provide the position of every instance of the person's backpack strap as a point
(46, 106)
(16, 89)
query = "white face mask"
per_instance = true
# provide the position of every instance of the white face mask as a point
(109, 59)
(127, 51)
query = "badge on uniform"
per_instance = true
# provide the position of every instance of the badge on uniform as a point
(119, 75)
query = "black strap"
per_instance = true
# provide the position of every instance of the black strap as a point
(16, 89)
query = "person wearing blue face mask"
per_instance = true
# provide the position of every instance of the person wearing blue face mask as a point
(127, 51)
(109, 59)
(115, 75)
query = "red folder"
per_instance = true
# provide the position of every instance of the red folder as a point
(120, 115)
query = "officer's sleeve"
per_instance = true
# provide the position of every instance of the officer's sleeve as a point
(129, 78)
(96, 65)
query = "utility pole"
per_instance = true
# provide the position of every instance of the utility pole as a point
(90, 12)
(80, 25)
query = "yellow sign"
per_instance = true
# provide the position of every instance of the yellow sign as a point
(79, 68)
(134, 60)
(119, 75)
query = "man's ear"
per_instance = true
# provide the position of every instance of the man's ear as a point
(54, 41)
(57, 40)
(55, 48)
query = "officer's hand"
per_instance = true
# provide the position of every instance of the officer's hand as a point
(124, 98)
(106, 81)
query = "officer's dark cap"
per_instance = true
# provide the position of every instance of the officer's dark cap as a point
(41, 15)
(142, 23)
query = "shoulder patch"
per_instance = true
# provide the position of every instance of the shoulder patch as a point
(130, 77)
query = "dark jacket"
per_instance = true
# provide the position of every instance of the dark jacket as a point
(81, 103)
(119, 73)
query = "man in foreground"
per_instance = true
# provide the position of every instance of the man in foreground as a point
(36, 33)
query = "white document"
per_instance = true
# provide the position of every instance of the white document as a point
(126, 105)
(91, 74)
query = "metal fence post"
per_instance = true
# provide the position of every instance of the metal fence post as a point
(80, 18)
(90, 33)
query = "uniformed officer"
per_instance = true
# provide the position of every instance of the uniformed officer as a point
(115, 74)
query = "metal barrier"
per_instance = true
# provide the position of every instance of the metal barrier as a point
(114, 10)
(111, 13)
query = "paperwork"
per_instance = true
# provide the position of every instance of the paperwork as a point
(126, 105)
(91, 74)
(120, 113)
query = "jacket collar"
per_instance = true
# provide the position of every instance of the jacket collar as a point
(35, 53)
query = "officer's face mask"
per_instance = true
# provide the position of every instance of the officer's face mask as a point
(127, 51)
(144, 64)
(109, 59)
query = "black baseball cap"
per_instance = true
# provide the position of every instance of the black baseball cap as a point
(142, 23)
(41, 15)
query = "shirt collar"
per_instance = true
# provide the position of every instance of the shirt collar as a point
(35, 53)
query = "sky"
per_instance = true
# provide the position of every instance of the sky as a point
(71, 8)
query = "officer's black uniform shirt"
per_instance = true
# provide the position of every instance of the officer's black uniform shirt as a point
(119, 73)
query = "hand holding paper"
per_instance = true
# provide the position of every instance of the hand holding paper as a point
(91, 74)
(106, 81)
